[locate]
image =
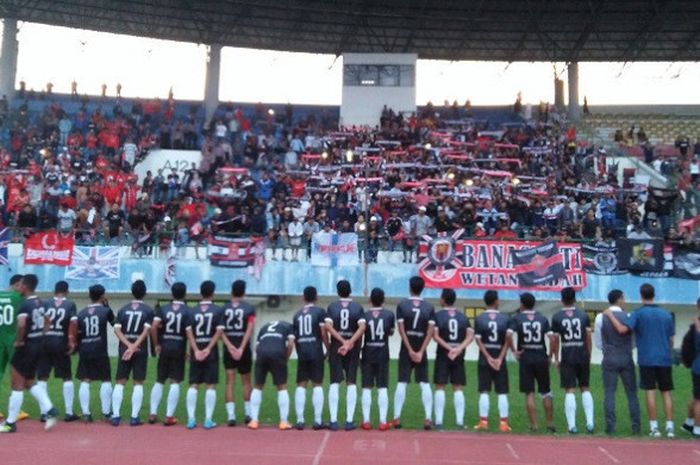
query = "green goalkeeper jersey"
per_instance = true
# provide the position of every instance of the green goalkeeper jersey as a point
(9, 303)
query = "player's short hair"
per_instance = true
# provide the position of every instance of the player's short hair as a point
(448, 296)
(138, 289)
(31, 281)
(310, 294)
(377, 297)
(698, 302)
(490, 297)
(96, 291)
(207, 288)
(15, 279)
(416, 285)
(647, 291)
(614, 296)
(568, 295)
(344, 289)
(61, 287)
(527, 300)
(178, 290)
(238, 288)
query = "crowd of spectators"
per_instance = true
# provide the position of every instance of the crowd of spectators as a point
(284, 178)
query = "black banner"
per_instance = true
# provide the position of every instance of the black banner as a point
(601, 259)
(686, 263)
(641, 255)
(539, 265)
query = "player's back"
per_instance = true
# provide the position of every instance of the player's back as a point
(92, 330)
(416, 315)
(452, 327)
(272, 339)
(380, 326)
(9, 305)
(32, 309)
(206, 320)
(172, 334)
(532, 328)
(133, 318)
(491, 327)
(307, 332)
(237, 316)
(60, 311)
(345, 315)
(572, 326)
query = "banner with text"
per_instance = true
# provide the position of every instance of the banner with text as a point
(48, 248)
(333, 249)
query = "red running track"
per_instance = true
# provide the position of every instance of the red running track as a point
(70, 444)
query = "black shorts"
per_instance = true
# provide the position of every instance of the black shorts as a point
(243, 366)
(59, 362)
(573, 375)
(26, 360)
(531, 372)
(94, 369)
(136, 367)
(490, 378)
(344, 368)
(696, 386)
(310, 370)
(375, 374)
(449, 371)
(171, 367)
(655, 377)
(406, 365)
(206, 371)
(276, 366)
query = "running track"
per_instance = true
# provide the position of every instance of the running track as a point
(70, 444)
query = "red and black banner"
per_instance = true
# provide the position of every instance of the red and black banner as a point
(231, 252)
(539, 266)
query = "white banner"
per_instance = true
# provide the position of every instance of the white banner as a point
(333, 249)
(165, 159)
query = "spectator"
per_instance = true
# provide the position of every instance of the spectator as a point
(66, 218)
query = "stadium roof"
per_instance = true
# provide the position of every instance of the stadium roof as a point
(508, 30)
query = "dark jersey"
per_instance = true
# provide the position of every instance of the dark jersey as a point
(307, 324)
(32, 310)
(452, 327)
(238, 316)
(491, 328)
(133, 318)
(572, 327)
(345, 316)
(174, 320)
(60, 312)
(92, 330)
(417, 316)
(272, 340)
(206, 320)
(380, 325)
(532, 329)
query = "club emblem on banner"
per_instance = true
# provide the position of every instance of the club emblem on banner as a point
(438, 256)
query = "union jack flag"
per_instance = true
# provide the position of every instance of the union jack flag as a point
(4, 241)
(92, 263)
(170, 267)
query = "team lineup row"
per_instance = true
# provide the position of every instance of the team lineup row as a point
(352, 338)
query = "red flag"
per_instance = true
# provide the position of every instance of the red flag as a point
(48, 248)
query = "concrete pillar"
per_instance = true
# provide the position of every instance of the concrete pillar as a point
(8, 58)
(211, 82)
(574, 107)
(559, 94)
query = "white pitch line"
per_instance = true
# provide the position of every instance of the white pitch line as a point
(512, 451)
(696, 452)
(416, 447)
(321, 448)
(608, 455)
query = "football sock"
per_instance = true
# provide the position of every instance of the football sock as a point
(68, 396)
(669, 425)
(191, 403)
(173, 397)
(333, 395)
(246, 407)
(587, 403)
(459, 407)
(484, 406)
(317, 400)
(231, 410)
(653, 424)
(426, 395)
(106, 397)
(255, 401)
(299, 403)
(351, 403)
(696, 430)
(14, 406)
(689, 422)
(42, 397)
(136, 400)
(399, 398)
(383, 402)
(84, 396)
(366, 404)
(439, 405)
(117, 397)
(570, 409)
(209, 403)
(156, 396)
(503, 406)
(283, 404)
(42, 385)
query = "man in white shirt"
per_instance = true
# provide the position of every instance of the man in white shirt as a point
(295, 231)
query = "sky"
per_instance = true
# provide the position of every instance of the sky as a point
(150, 67)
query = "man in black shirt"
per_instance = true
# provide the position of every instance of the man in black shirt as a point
(170, 343)
(532, 329)
(115, 222)
(59, 343)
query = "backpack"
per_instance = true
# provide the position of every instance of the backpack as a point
(688, 347)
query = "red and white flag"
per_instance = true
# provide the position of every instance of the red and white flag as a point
(48, 248)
